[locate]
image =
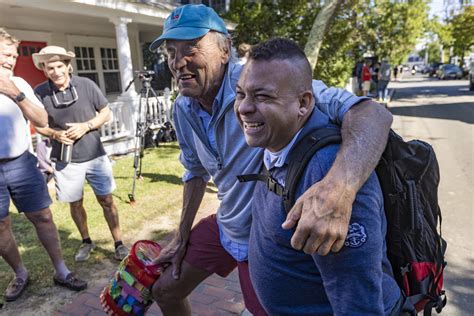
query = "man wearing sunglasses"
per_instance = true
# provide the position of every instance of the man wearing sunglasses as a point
(76, 110)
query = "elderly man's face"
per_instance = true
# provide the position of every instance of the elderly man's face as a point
(58, 73)
(197, 65)
(8, 57)
(269, 106)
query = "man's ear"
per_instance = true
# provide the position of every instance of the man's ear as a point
(226, 52)
(306, 102)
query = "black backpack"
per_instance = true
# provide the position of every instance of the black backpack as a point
(408, 173)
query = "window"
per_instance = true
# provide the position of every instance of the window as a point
(110, 67)
(100, 64)
(85, 61)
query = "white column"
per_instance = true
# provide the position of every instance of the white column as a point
(124, 55)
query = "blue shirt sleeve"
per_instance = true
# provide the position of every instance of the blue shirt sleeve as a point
(334, 102)
(188, 156)
(353, 278)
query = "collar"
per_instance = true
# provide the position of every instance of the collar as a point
(278, 159)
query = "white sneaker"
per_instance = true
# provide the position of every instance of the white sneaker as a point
(84, 252)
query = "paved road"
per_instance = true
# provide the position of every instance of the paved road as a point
(442, 113)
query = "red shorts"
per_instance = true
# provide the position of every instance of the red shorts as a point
(205, 252)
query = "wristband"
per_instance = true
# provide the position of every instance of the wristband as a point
(20, 97)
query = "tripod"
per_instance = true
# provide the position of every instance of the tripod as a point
(144, 121)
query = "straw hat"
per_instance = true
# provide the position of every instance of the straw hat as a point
(49, 54)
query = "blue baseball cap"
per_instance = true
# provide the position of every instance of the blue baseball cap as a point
(189, 22)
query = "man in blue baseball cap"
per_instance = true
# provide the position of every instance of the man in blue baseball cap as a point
(213, 145)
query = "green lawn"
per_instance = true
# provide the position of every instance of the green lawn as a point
(157, 211)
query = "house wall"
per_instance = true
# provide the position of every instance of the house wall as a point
(69, 30)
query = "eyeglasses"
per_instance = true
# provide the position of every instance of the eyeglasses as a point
(65, 104)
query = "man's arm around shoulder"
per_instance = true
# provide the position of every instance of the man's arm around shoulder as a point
(328, 203)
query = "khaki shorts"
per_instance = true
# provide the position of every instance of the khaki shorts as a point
(366, 86)
(70, 178)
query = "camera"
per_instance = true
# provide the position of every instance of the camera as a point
(144, 74)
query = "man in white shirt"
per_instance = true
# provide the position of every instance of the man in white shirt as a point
(20, 179)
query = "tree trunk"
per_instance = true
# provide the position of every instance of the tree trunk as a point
(319, 29)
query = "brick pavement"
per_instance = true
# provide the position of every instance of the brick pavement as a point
(215, 296)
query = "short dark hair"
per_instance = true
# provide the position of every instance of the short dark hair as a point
(283, 49)
(276, 48)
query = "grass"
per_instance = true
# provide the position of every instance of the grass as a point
(155, 214)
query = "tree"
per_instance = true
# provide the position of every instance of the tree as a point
(433, 49)
(462, 26)
(391, 28)
(385, 27)
(319, 29)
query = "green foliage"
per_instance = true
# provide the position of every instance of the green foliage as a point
(384, 27)
(442, 31)
(463, 31)
(433, 52)
(391, 28)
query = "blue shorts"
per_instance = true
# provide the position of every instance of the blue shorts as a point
(23, 182)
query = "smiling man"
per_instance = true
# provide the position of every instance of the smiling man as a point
(213, 145)
(20, 179)
(275, 114)
(76, 110)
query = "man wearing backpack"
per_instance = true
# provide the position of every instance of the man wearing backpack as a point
(213, 145)
(274, 114)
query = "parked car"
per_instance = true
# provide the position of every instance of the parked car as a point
(449, 71)
(471, 77)
(433, 68)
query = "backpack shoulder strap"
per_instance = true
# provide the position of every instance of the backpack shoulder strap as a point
(300, 155)
(265, 177)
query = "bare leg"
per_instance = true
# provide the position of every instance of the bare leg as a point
(171, 295)
(79, 216)
(9, 248)
(110, 214)
(48, 236)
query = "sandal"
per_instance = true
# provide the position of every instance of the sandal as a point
(15, 288)
(71, 282)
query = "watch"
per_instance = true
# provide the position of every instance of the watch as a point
(20, 97)
(91, 127)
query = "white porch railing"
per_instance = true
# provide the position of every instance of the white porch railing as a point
(156, 111)
(115, 128)
(118, 133)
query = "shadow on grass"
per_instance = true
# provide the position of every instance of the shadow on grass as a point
(170, 178)
(173, 145)
(155, 177)
(162, 236)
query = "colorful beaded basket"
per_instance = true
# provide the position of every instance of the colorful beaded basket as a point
(129, 291)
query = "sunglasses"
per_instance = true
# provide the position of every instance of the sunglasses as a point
(65, 104)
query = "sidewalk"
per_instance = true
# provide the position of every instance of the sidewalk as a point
(215, 296)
